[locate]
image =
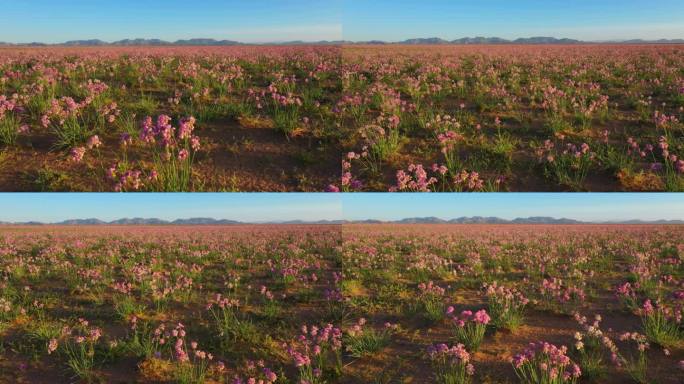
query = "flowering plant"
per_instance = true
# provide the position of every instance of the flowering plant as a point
(430, 301)
(662, 324)
(506, 305)
(313, 349)
(469, 328)
(362, 340)
(452, 365)
(175, 152)
(545, 363)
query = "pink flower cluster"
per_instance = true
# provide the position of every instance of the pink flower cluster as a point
(664, 311)
(663, 121)
(129, 179)
(349, 183)
(626, 290)
(504, 293)
(469, 181)
(549, 360)
(165, 134)
(77, 154)
(258, 374)
(7, 105)
(180, 351)
(95, 88)
(593, 331)
(222, 302)
(415, 180)
(351, 102)
(313, 341)
(456, 355)
(555, 288)
(123, 287)
(63, 108)
(431, 289)
(81, 333)
(359, 328)
(641, 340)
(448, 140)
(480, 317)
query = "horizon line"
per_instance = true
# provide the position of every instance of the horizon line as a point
(407, 220)
(162, 42)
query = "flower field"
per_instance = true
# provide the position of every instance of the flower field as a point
(398, 118)
(342, 304)
(168, 119)
(521, 118)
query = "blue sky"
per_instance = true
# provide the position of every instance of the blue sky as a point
(259, 207)
(581, 19)
(279, 20)
(49, 207)
(244, 20)
(580, 206)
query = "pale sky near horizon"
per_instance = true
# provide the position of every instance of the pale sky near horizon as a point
(359, 20)
(259, 207)
(590, 20)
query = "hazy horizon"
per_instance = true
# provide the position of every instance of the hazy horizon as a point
(270, 207)
(277, 42)
(352, 20)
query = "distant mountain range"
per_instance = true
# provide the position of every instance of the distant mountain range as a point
(487, 220)
(538, 40)
(413, 220)
(158, 42)
(417, 41)
(493, 40)
(152, 221)
(522, 220)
